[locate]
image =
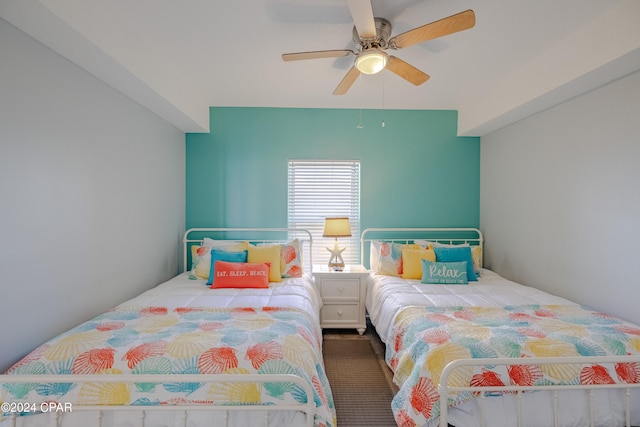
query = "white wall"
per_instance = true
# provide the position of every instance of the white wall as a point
(560, 199)
(92, 196)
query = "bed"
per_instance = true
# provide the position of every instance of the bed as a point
(489, 351)
(233, 341)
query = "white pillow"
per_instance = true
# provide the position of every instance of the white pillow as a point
(212, 243)
(374, 255)
(427, 243)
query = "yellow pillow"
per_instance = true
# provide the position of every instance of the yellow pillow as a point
(476, 255)
(411, 265)
(390, 258)
(267, 253)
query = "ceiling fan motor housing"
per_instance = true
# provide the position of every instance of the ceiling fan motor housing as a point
(383, 32)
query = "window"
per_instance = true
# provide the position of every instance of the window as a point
(326, 188)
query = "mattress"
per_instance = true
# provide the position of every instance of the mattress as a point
(183, 327)
(388, 295)
(426, 326)
(182, 291)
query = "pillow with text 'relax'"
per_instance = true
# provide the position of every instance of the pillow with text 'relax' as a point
(457, 254)
(444, 273)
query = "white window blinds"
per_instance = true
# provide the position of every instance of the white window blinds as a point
(326, 188)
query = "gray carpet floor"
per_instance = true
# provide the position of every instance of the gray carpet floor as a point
(360, 380)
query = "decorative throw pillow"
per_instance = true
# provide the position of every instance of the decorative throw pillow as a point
(476, 251)
(240, 275)
(290, 259)
(411, 265)
(476, 255)
(457, 254)
(222, 255)
(200, 262)
(444, 273)
(201, 255)
(270, 254)
(390, 259)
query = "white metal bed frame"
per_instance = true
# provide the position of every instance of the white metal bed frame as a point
(458, 236)
(308, 409)
(449, 236)
(446, 390)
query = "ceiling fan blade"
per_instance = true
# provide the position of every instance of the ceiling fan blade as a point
(362, 15)
(347, 81)
(317, 54)
(452, 24)
(406, 71)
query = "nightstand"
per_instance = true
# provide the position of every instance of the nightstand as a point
(343, 296)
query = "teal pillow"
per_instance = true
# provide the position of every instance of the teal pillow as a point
(457, 254)
(222, 255)
(444, 273)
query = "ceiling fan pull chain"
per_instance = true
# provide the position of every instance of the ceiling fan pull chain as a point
(383, 74)
(360, 126)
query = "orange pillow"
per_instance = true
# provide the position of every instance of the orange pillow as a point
(240, 275)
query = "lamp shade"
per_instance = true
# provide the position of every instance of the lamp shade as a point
(336, 227)
(372, 61)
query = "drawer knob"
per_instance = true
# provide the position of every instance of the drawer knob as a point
(340, 313)
(340, 289)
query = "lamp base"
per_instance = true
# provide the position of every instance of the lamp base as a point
(336, 266)
(336, 262)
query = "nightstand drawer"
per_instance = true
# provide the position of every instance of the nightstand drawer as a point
(341, 289)
(340, 313)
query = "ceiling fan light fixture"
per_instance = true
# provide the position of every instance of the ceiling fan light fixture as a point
(372, 61)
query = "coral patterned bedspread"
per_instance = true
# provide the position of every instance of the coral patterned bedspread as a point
(426, 339)
(161, 340)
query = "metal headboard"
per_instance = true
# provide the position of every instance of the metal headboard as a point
(194, 236)
(451, 236)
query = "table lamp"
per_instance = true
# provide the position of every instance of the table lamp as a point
(336, 227)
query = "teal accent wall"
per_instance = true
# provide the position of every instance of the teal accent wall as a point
(415, 171)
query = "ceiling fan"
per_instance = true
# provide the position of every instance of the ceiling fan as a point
(371, 35)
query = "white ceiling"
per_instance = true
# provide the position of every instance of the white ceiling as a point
(178, 57)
